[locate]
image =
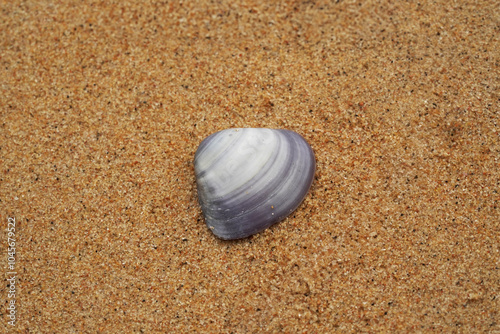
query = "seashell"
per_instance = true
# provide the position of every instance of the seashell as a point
(248, 179)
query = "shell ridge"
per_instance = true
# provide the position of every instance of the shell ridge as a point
(228, 199)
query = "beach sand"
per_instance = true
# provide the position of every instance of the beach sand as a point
(104, 103)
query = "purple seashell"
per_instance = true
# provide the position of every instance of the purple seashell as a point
(248, 179)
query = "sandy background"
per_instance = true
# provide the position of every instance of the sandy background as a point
(102, 107)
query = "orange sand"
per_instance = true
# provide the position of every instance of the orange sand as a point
(102, 106)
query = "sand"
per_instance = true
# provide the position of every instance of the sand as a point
(102, 107)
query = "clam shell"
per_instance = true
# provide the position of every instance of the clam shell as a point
(248, 179)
